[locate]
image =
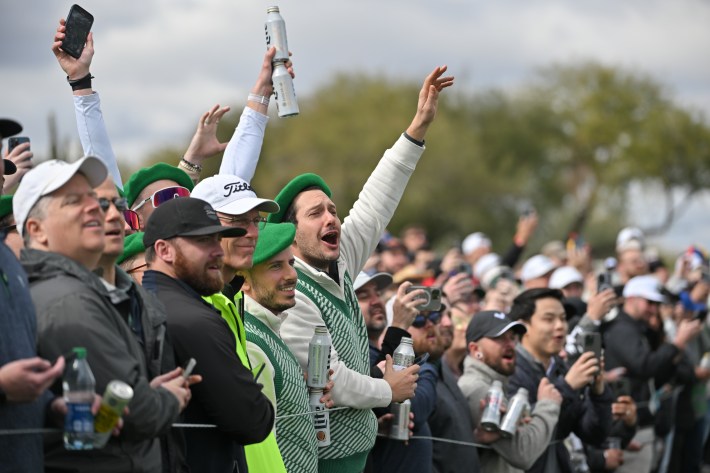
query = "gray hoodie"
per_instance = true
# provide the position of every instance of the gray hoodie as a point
(519, 452)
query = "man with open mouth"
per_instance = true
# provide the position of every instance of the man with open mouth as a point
(491, 338)
(328, 257)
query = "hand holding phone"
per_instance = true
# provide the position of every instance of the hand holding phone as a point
(14, 141)
(78, 26)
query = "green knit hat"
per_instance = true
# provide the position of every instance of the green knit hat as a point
(5, 205)
(146, 176)
(273, 239)
(132, 246)
(292, 189)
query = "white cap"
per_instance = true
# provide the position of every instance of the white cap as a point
(484, 263)
(381, 280)
(646, 287)
(535, 267)
(564, 276)
(630, 238)
(231, 195)
(491, 276)
(474, 241)
(50, 176)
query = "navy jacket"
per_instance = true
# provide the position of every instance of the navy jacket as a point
(582, 412)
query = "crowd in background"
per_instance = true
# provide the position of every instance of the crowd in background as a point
(168, 265)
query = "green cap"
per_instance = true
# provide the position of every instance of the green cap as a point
(132, 246)
(292, 189)
(273, 239)
(5, 205)
(146, 176)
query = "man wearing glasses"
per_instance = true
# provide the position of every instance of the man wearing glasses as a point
(60, 217)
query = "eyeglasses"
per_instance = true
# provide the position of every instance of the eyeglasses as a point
(137, 268)
(420, 320)
(8, 229)
(120, 203)
(244, 222)
(163, 195)
(132, 219)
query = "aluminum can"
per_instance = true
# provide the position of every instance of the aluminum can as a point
(319, 358)
(116, 397)
(400, 422)
(490, 419)
(275, 29)
(517, 408)
(403, 355)
(705, 361)
(321, 417)
(284, 92)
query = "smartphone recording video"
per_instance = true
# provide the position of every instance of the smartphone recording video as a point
(79, 22)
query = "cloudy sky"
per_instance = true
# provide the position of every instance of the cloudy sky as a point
(160, 63)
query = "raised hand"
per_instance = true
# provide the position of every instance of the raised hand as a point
(74, 68)
(428, 102)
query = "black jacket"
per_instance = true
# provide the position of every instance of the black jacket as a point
(582, 412)
(227, 395)
(451, 419)
(626, 344)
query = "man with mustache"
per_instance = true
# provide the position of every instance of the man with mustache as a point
(325, 293)
(491, 338)
(183, 251)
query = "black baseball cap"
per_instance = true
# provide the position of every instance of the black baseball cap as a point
(9, 128)
(491, 324)
(185, 217)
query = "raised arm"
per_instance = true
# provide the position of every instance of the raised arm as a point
(242, 153)
(87, 104)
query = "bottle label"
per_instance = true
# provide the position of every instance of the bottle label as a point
(402, 361)
(79, 418)
(106, 419)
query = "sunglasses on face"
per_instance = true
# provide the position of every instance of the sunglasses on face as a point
(8, 229)
(420, 320)
(132, 219)
(163, 195)
(120, 203)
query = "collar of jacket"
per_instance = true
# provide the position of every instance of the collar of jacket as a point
(42, 265)
(477, 368)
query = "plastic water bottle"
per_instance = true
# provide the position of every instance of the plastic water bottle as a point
(78, 385)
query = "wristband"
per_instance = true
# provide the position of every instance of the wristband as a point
(258, 99)
(80, 84)
(190, 166)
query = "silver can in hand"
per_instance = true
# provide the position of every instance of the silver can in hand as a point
(275, 29)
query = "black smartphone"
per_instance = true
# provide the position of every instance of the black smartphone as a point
(620, 387)
(16, 140)
(590, 341)
(79, 22)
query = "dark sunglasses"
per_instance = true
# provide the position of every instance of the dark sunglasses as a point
(8, 229)
(163, 195)
(132, 219)
(120, 203)
(420, 320)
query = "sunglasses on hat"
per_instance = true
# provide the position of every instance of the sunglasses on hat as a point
(420, 320)
(163, 195)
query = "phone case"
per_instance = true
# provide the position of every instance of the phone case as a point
(79, 22)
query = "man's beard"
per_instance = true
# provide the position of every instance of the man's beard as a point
(202, 281)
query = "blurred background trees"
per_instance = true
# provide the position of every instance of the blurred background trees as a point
(571, 143)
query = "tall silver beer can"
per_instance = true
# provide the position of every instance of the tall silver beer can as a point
(321, 417)
(490, 419)
(284, 93)
(403, 355)
(400, 420)
(516, 410)
(319, 358)
(275, 29)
